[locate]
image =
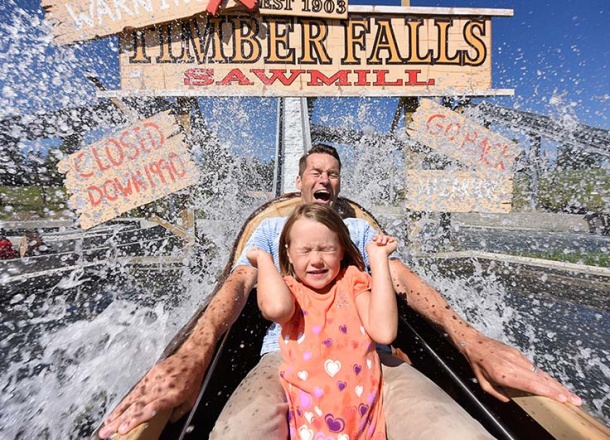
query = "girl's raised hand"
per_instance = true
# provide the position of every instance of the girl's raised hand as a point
(253, 254)
(384, 243)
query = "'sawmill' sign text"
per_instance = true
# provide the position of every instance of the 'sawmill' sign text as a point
(375, 54)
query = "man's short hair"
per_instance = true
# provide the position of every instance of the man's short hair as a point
(318, 149)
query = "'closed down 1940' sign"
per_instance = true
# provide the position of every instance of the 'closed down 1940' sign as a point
(127, 169)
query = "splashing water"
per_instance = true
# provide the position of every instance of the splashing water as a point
(69, 353)
(66, 368)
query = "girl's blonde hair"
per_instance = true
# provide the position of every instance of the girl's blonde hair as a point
(329, 218)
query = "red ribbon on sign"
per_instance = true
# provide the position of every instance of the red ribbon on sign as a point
(213, 5)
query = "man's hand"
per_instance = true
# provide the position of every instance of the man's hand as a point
(494, 363)
(171, 384)
(175, 382)
(498, 365)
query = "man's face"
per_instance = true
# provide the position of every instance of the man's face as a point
(321, 180)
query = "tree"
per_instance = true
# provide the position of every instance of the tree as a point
(570, 158)
(12, 165)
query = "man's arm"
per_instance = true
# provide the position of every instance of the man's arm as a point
(494, 363)
(175, 381)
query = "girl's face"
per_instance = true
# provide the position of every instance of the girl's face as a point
(315, 253)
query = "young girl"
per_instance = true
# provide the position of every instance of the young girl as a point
(331, 313)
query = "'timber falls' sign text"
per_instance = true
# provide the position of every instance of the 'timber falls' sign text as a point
(367, 54)
(127, 169)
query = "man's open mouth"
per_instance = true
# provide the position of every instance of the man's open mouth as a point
(322, 195)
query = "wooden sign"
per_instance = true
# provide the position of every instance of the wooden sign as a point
(78, 20)
(127, 169)
(470, 144)
(458, 191)
(305, 8)
(389, 53)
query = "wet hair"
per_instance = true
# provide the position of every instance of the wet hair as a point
(318, 149)
(328, 217)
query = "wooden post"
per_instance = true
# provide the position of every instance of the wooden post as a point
(186, 106)
(130, 114)
(534, 169)
(413, 161)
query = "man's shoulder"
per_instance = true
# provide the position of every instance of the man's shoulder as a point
(359, 223)
(271, 226)
(273, 222)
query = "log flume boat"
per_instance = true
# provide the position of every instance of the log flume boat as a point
(524, 417)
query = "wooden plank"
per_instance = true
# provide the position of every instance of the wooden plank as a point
(459, 138)
(563, 420)
(78, 20)
(305, 8)
(481, 93)
(127, 169)
(458, 191)
(374, 55)
(431, 10)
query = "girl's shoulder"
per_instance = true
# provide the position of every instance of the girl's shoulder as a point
(292, 283)
(354, 276)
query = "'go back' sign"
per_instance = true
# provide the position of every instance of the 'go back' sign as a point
(484, 184)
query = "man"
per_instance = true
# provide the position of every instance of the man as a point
(414, 401)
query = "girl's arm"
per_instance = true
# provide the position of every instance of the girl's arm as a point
(274, 298)
(378, 309)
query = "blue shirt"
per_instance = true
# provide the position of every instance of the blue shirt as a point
(267, 237)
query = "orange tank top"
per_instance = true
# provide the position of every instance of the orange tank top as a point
(331, 371)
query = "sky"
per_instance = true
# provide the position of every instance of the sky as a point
(554, 54)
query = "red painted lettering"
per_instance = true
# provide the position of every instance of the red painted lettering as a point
(381, 80)
(233, 76)
(100, 165)
(152, 135)
(438, 123)
(414, 81)
(78, 163)
(138, 181)
(112, 194)
(117, 147)
(199, 77)
(318, 78)
(149, 177)
(277, 74)
(95, 199)
(173, 158)
(126, 189)
(128, 145)
(362, 81)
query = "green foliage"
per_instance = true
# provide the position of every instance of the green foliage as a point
(520, 192)
(566, 191)
(569, 158)
(575, 190)
(33, 200)
(591, 258)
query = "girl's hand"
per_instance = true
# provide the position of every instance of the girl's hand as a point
(382, 245)
(253, 254)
